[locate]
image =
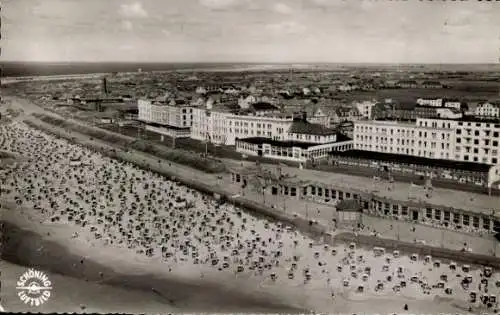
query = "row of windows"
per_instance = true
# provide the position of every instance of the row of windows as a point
(484, 159)
(486, 142)
(434, 124)
(245, 124)
(246, 132)
(437, 214)
(481, 125)
(329, 193)
(486, 133)
(420, 143)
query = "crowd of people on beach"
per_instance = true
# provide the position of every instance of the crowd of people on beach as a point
(115, 203)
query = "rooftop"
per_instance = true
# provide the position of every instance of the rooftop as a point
(261, 106)
(304, 127)
(163, 125)
(276, 143)
(349, 205)
(407, 159)
(473, 119)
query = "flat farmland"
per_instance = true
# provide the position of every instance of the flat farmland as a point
(464, 91)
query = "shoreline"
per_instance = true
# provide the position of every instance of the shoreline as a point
(175, 292)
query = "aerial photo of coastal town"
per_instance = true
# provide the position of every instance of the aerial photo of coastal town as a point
(237, 156)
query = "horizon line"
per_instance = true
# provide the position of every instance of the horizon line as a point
(255, 62)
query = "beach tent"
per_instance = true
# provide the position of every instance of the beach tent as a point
(349, 212)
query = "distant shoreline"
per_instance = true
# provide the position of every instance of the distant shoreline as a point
(18, 69)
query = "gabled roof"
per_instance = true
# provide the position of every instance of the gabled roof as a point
(263, 106)
(454, 100)
(405, 105)
(277, 143)
(349, 205)
(304, 127)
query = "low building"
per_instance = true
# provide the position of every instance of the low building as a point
(465, 211)
(487, 110)
(452, 103)
(343, 114)
(432, 85)
(390, 164)
(437, 102)
(407, 84)
(365, 108)
(447, 113)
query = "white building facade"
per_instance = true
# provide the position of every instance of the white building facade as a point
(365, 108)
(447, 139)
(436, 102)
(270, 126)
(222, 127)
(294, 152)
(210, 125)
(178, 116)
(487, 110)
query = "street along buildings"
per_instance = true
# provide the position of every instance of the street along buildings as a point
(469, 212)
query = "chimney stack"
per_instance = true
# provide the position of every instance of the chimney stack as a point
(105, 86)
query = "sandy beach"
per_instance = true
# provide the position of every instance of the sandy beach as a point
(75, 295)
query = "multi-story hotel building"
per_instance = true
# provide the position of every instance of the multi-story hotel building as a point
(464, 140)
(403, 138)
(302, 141)
(267, 133)
(222, 126)
(172, 118)
(210, 125)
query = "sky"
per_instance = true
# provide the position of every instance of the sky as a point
(299, 31)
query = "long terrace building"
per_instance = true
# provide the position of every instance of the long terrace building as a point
(465, 140)
(471, 147)
(445, 208)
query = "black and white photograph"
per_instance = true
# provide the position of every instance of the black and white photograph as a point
(250, 156)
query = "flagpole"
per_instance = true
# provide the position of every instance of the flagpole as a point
(206, 145)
